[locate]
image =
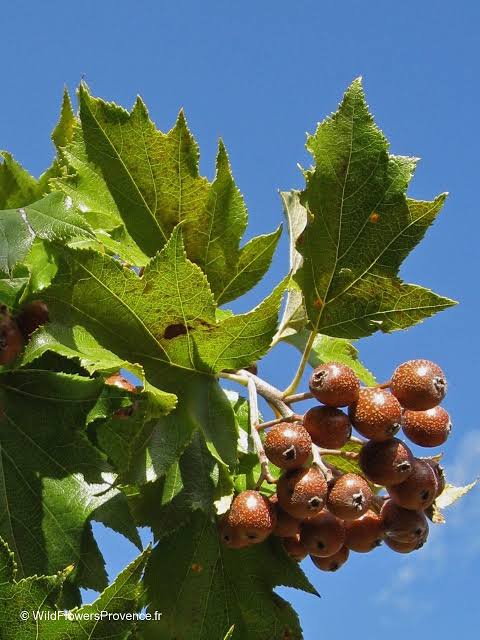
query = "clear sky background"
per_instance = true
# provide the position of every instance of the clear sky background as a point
(260, 74)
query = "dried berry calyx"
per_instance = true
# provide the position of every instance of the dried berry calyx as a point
(328, 427)
(429, 428)
(288, 445)
(377, 414)
(251, 518)
(323, 535)
(419, 490)
(386, 463)
(302, 493)
(334, 384)
(332, 563)
(11, 339)
(419, 385)
(350, 497)
(364, 534)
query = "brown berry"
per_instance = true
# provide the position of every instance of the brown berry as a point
(403, 525)
(11, 339)
(252, 517)
(439, 474)
(350, 497)
(386, 463)
(419, 490)
(419, 385)
(365, 533)
(288, 445)
(302, 492)
(331, 563)
(334, 384)
(32, 316)
(429, 428)
(323, 535)
(404, 547)
(377, 414)
(117, 380)
(287, 526)
(229, 536)
(295, 548)
(328, 427)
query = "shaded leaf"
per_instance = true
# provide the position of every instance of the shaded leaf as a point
(208, 588)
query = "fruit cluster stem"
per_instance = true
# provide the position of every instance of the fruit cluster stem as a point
(257, 441)
(317, 460)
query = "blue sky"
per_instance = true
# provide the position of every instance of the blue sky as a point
(260, 74)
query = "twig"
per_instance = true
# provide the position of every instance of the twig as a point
(349, 455)
(317, 460)
(271, 423)
(383, 385)
(257, 441)
(298, 397)
(271, 394)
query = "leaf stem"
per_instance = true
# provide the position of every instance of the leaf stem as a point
(349, 455)
(257, 441)
(292, 387)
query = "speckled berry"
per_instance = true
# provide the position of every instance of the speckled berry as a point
(404, 547)
(334, 384)
(365, 533)
(350, 497)
(32, 316)
(377, 414)
(328, 427)
(429, 428)
(229, 536)
(419, 490)
(403, 525)
(252, 517)
(294, 548)
(386, 463)
(331, 563)
(419, 385)
(302, 492)
(11, 339)
(323, 535)
(288, 445)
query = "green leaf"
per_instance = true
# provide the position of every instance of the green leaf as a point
(17, 186)
(65, 127)
(361, 227)
(328, 349)
(167, 504)
(166, 321)
(48, 219)
(209, 588)
(129, 173)
(52, 480)
(39, 597)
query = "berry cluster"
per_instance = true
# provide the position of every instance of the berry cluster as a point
(326, 513)
(16, 330)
